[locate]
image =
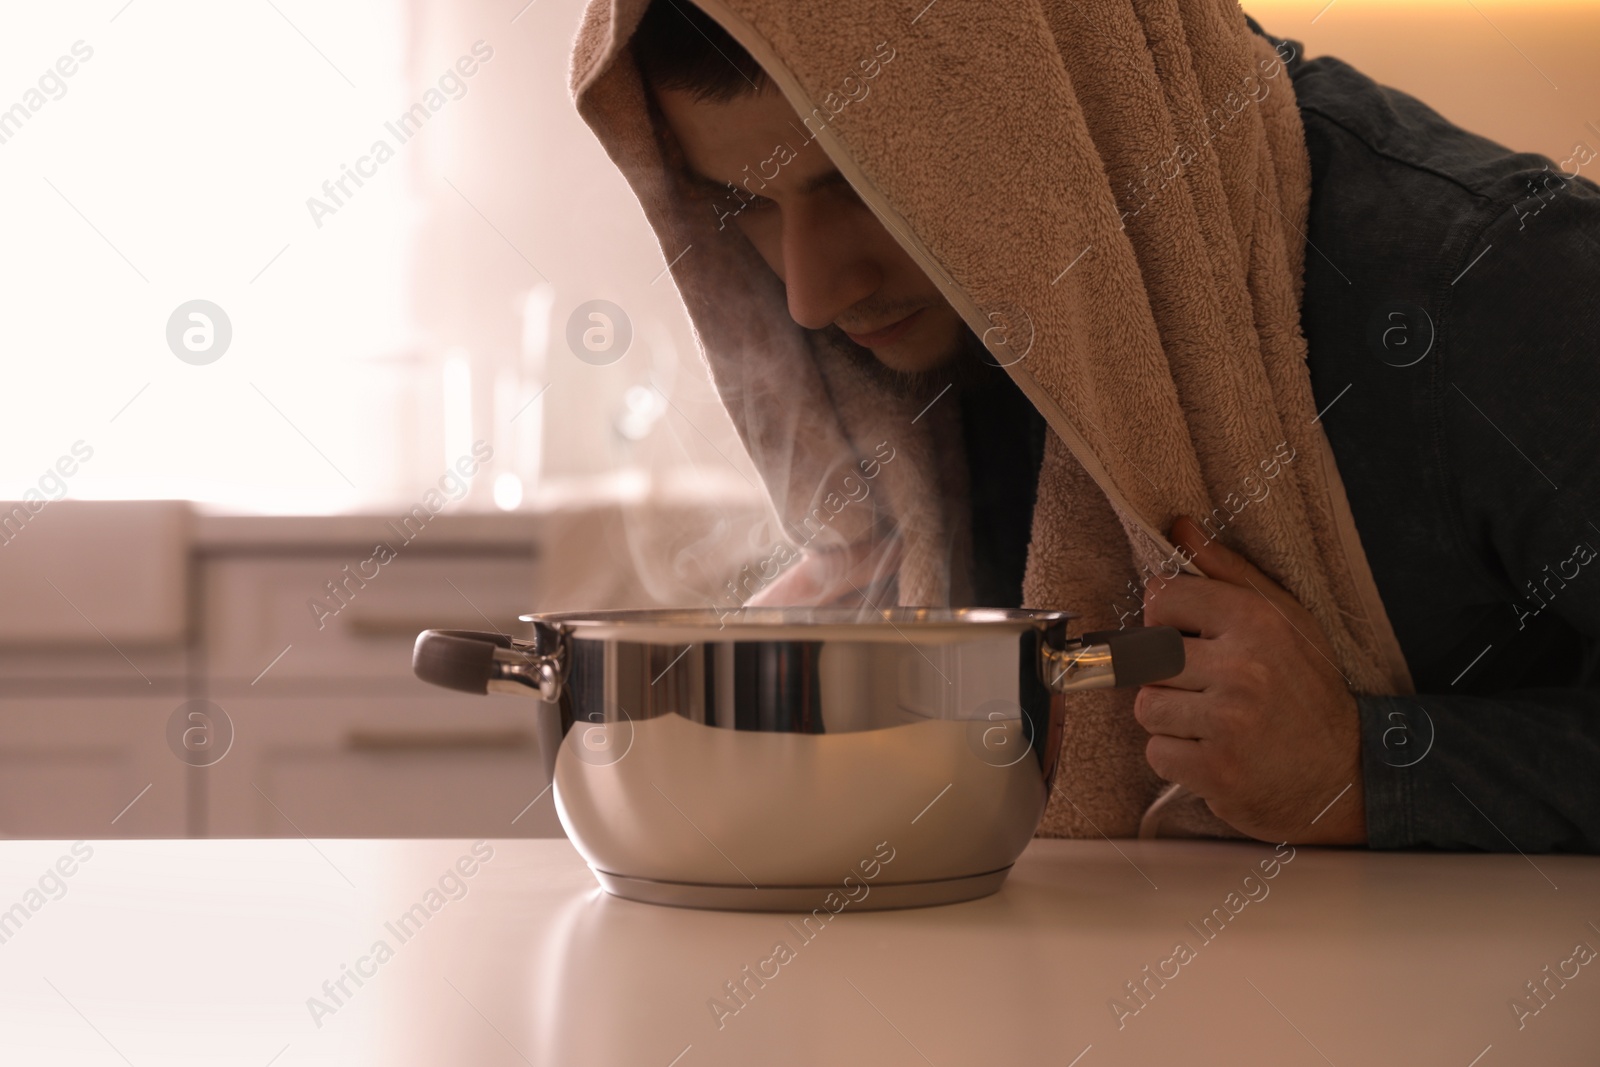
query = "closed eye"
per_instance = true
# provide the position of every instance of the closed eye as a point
(731, 196)
(706, 187)
(831, 180)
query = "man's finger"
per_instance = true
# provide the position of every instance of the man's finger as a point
(1201, 606)
(1177, 760)
(1215, 559)
(1221, 563)
(1174, 712)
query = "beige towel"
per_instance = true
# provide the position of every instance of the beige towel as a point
(1118, 206)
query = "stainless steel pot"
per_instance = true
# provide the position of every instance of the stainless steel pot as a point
(800, 759)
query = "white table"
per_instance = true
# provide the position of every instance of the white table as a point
(206, 952)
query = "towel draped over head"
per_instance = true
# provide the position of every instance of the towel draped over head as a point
(1113, 195)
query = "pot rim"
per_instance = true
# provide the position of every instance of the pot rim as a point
(697, 625)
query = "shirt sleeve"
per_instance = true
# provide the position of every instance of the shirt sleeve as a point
(1514, 772)
(1484, 764)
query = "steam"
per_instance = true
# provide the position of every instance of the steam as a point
(841, 524)
(861, 467)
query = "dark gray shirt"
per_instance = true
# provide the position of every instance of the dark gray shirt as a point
(1452, 311)
(1452, 315)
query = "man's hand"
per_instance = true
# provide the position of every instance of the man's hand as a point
(1261, 723)
(850, 576)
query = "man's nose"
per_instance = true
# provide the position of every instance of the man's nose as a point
(827, 265)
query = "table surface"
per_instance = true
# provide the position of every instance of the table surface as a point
(216, 952)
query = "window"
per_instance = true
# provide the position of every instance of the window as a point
(395, 209)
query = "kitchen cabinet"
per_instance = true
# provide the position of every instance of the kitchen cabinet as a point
(307, 655)
(93, 662)
(77, 765)
(290, 717)
(417, 765)
(284, 655)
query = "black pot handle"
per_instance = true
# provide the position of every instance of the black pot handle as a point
(477, 662)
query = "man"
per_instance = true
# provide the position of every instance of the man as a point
(1449, 311)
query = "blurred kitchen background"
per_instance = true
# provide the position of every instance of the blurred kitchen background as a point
(393, 365)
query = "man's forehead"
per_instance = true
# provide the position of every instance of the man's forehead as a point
(759, 131)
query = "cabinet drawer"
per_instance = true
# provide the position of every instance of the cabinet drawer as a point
(79, 767)
(270, 622)
(428, 766)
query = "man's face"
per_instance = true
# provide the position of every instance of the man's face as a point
(839, 264)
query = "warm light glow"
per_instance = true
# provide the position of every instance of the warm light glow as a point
(457, 407)
(507, 491)
(175, 164)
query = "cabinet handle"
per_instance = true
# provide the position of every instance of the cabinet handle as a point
(388, 627)
(434, 740)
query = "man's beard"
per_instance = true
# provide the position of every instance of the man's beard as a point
(968, 365)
